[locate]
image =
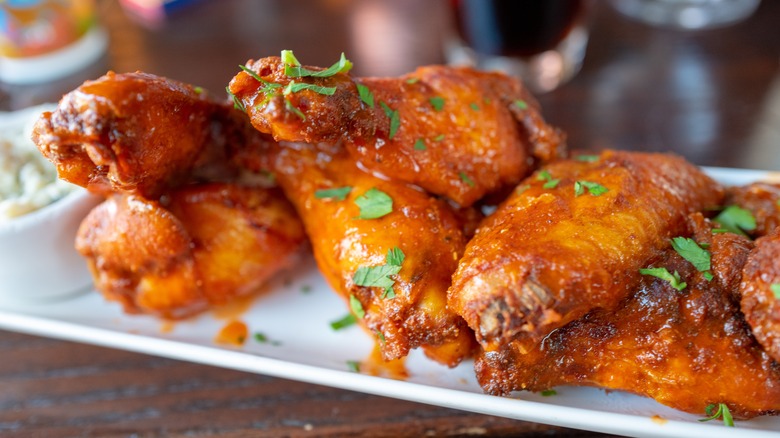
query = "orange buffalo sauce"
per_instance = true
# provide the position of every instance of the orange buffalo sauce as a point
(234, 333)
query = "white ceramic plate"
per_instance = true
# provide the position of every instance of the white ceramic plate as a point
(296, 312)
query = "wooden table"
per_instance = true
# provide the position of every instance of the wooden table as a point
(712, 96)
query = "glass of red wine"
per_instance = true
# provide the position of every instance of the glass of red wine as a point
(541, 41)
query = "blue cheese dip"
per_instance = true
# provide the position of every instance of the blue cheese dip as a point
(28, 181)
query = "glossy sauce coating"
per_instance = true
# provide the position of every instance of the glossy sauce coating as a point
(460, 133)
(548, 256)
(685, 349)
(206, 245)
(760, 303)
(425, 229)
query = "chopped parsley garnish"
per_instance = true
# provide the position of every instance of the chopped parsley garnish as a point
(474, 106)
(594, 188)
(722, 411)
(198, 90)
(549, 392)
(374, 204)
(365, 95)
(381, 336)
(674, 279)
(293, 68)
(419, 145)
(379, 276)
(736, 219)
(237, 104)
(587, 158)
(411, 81)
(437, 102)
(465, 178)
(522, 188)
(699, 257)
(353, 366)
(305, 288)
(521, 104)
(338, 194)
(775, 288)
(439, 137)
(356, 307)
(263, 339)
(487, 101)
(395, 120)
(550, 183)
(346, 321)
(294, 87)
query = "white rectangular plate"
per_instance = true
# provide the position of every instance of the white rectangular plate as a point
(296, 311)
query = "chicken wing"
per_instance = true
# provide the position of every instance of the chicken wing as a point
(685, 348)
(393, 269)
(142, 134)
(760, 290)
(455, 132)
(762, 200)
(198, 247)
(572, 238)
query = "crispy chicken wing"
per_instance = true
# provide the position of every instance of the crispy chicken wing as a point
(452, 131)
(762, 200)
(760, 290)
(142, 134)
(685, 348)
(404, 301)
(198, 247)
(572, 238)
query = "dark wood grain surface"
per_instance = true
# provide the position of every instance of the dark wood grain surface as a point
(712, 96)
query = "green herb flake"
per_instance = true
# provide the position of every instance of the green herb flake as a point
(722, 411)
(465, 178)
(587, 158)
(338, 194)
(260, 337)
(551, 182)
(775, 288)
(381, 336)
(438, 138)
(521, 104)
(437, 102)
(379, 276)
(344, 322)
(736, 219)
(293, 68)
(487, 101)
(365, 95)
(674, 279)
(198, 90)
(419, 145)
(353, 366)
(253, 74)
(522, 188)
(412, 81)
(237, 104)
(593, 188)
(699, 257)
(356, 307)
(395, 119)
(306, 289)
(294, 87)
(549, 392)
(374, 204)
(474, 106)
(719, 230)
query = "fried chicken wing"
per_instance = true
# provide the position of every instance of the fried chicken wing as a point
(760, 290)
(572, 238)
(142, 134)
(200, 246)
(455, 132)
(404, 300)
(685, 348)
(762, 200)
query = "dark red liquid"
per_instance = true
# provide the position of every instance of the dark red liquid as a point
(515, 27)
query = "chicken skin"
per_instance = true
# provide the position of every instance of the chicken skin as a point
(141, 134)
(408, 255)
(455, 132)
(571, 239)
(685, 348)
(760, 290)
(202, 247)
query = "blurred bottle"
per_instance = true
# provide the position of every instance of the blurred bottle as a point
(687, 14)
(43, 40)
